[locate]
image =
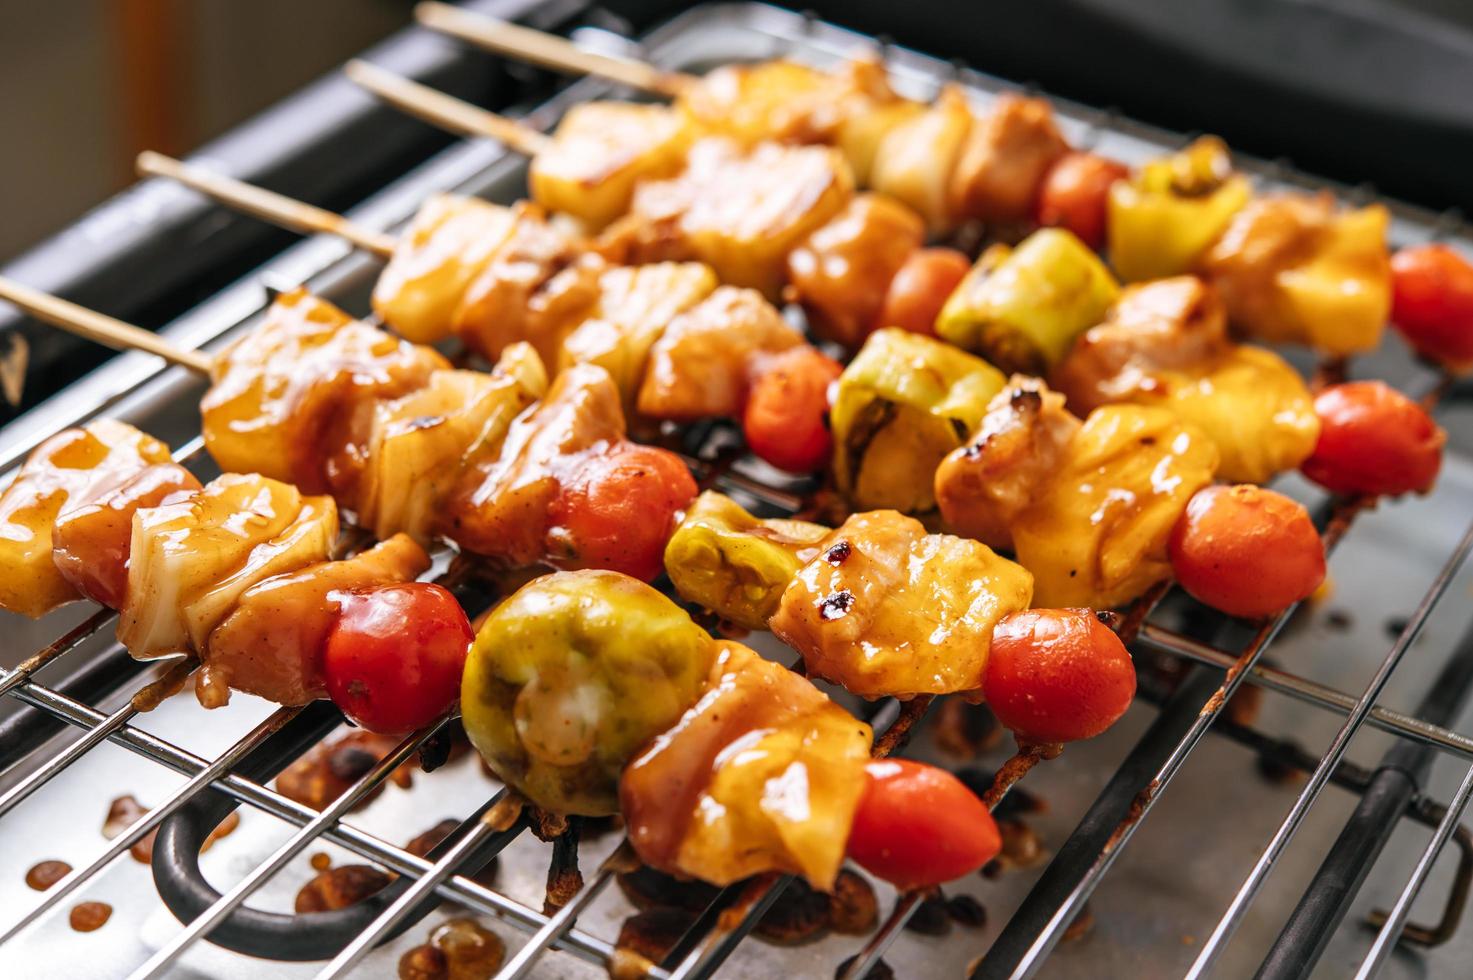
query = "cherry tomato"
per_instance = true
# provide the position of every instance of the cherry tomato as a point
(394, 657)
(919, 826)
(787, 417)
(619, 510)
(1432, 302)
(1075, 192)
(1374, 440)
(921, 288)
(1057, 675)
(1248, 551)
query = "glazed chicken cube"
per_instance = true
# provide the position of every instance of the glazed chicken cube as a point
(1001, 166)
(600, 152)
(70, 470)
(292, 399)
(887, 609)
(271, 643)
(763, 773)
(702, 363)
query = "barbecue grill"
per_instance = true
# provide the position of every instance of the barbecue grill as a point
(1190, 854)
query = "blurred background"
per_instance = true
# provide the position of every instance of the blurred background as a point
(86, 84)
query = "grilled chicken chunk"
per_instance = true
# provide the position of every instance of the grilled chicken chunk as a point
(500, 510)
(887, 609)
(600, 151)
(983, 486)
(271, 643)
(763, 773)
(739, 212)
(842, 272)
(292, 398)
(702, 363)
(421, 443)
(71, 470)
(917, 158)
(1003, 162)
(190, 560)
(1165, 343)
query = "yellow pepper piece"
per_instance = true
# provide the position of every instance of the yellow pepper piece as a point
(1162, 220)
(725, 560)
(903, 403)
(1021, 309)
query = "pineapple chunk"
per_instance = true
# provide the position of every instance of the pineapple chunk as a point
(600, 152)
(917, 158)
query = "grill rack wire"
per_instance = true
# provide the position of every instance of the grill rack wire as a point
(1193, 709)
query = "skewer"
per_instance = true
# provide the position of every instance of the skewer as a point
(276, 208)
(445, 111)
(100, 328)
(549, 50)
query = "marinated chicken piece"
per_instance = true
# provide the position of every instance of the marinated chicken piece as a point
(573, 675)
(600, 152)
(763, 773)
(535, 288)
(451, 238)
(421, 443)
(293, 398)
(635, 305)
(500, 509)
(739, 212)
(983, 486)
(887, 609)
(190, 560)
(1022, 308)
(1003, 162)
(737, 566)
(701, 365)
(70, 470)
(1295, 269)
(902, 404)
(90, 543)
(1096, 533)
(271, 643)
(1161, 221)
(916, 160)
(784, 101)
(1165, 343)
(842, 272)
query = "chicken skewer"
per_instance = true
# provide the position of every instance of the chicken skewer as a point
(500, 464)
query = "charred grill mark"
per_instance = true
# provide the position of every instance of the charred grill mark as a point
(836, 606)
(838, 553)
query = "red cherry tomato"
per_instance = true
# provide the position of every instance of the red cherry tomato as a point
(1432, 302)
(619, 509)
(1248, 551)
(786, 421)
(919, 826)
(1057, 675)
(921, 288)
(1075, 192)
(394, 657)
(1374, 440)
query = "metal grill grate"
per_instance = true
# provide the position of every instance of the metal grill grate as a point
(137, 387)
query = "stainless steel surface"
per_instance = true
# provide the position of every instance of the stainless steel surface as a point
(1162, 892)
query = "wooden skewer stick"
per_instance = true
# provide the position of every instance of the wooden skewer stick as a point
(549, 50)
(445, 111)
(102, 329)
(275, 208)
